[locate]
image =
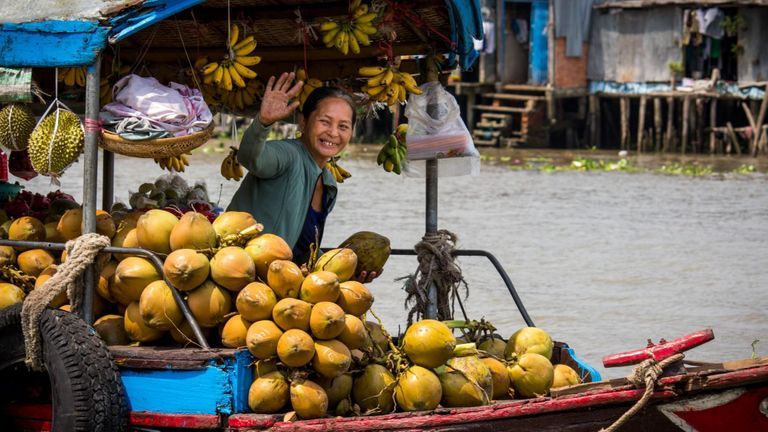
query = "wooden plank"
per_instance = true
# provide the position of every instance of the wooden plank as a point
(500, 109)
(524, 87)
(659, 351)
(641, 124)
(487, 143)
(180, 421)
(516, 97)
(496, 116)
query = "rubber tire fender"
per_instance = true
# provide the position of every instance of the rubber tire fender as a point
(87, 392)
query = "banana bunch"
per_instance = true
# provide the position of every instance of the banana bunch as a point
(72, 76)
(392, 155)
(106, 83)
(233, 70)
(339, 173)
(173, 163)
(230, 167)
(388, 84)
(244, 98)
(310, 84)
(350, 34)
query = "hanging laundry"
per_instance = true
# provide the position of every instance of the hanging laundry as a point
(710, 22)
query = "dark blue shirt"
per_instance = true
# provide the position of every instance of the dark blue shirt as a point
(311, 232)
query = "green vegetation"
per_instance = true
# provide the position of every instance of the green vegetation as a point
(690, 170)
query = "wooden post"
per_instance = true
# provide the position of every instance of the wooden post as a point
(699, 125)
(759, 122)
(624, 104)
(733, 141)
(670, 133)
(657, 124)
(686, 113)
(592, 120)
(641, 124)
(712, 125)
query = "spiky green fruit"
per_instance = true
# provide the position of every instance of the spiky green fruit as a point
(16, 124)
(52, 154)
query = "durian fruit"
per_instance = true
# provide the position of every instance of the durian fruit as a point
(67, 144)
(16, 124)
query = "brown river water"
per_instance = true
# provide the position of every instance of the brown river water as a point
(602, 260)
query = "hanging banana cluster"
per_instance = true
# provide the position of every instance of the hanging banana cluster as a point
(230, 167)
(233, 71)
(174, 163)
(388, 84)
(339, 173)
(106, 83)
(392, 155)
(245, 97)
(348, 35)
(310, 84)
(72, 76)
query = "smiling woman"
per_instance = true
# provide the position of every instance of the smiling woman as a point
(288, 188)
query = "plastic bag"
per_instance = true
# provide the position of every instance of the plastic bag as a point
(436, 131)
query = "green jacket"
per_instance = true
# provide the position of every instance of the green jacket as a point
(277, 189)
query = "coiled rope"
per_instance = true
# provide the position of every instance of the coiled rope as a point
(436, 266)
(81, 252)
(646, 374)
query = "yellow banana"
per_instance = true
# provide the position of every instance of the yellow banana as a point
(243, 43)
(354, 4)
(412, 88)
(330, 36)
(360, 10)
(245, 49)
(184, 159)
(370, 71)
(69, 77)
(208, 79)
(218, 75)
(247, 98)
(226, 167)
(362, 38)
(209, 68)
(226, 80)
(80, 76)
(366, 28)
(365, 19)
(344, 48)
(375, 91)
(388, 75)
(248, 60)
(234, 33)
(237, 169)
(353, 45)
(314, 82)
(244, 71)
(200, 62)
(236, 78)
(328, 25)
(301, 74)
(400, 93)
(377, 80)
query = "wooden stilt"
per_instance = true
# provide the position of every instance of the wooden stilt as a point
(670, 132)
(641, 123)
(624, 105)
(733, 141)
(592, 121)
(712, 125)
(657, 124)
(686, 114)
(759, 122)
(699, 127)
(598, 123)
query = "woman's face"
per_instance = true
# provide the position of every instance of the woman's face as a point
(328, 129)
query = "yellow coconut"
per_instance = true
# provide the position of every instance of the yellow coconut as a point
(63, 257)
(565, 376)
(10, 294)
(126, 235)
(466, 381)
(493, 346)
(500, 378)
(320, 286)
(378, 337)
(232, 268)
(52, 234)
(158, 308)
(285, 278)
(261, 339)
(26, 228)
(354, 298)
(233, 334)
(337, 389)
(308, 399)
(46, 274)
(267, 248)
(263, 367)
(8, 256)
(373, 390)
(34, 261)
(111, 328)
(193, 231)
(186, 269)
(105, 278)
(268, 393)
(256, 301)
(531, 375)
(153, 230)
(354, 334)
(326, 320)
(209, 304)
(290, 313)
(232, 222)
(429, 343)
(131, 276)
(70, 224)
(418, 389)
(295, 348)
(136, 328)
(340, 261)
(332, 358)
(529, 340)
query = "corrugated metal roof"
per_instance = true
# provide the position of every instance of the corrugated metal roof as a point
(20, 11)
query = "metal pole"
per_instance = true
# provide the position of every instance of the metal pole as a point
(90, 173)
(107, 179)
(431, 312)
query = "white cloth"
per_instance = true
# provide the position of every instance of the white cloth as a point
(175, 108)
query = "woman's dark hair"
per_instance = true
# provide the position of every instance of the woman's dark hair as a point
(320, 93)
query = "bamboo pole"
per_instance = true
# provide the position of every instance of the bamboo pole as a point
(712, 125)
(641, 124)
(624, 105)
(686, 114)
(657, 124)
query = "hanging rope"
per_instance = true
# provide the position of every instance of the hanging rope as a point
(646, 374)
(436, 267)
(81, 252)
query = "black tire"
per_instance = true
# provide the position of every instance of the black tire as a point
(86, 390)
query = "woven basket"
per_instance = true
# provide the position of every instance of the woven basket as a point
(156, 148)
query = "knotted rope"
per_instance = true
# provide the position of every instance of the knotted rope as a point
(645, 374)
(436, 266)
(81, 252)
